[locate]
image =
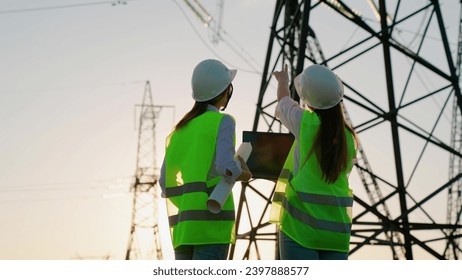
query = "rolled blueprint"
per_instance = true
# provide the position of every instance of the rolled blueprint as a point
(222, 190)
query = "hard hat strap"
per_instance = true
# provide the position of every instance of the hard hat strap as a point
(230, 93)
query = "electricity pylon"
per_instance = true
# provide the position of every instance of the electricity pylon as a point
(144, 240)
(385, 54)
(454, 208)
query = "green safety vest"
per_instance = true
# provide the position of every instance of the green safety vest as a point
(315, 214)
(188, 158)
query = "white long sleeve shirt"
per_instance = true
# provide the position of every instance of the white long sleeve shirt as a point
(289, 112)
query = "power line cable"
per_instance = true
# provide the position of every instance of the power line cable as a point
(246, 60)
(63, 186)
(197, 33)
(404, 30)
(77, 5)
(205, 43)
(84, 197)
(212, 22)
(89, 87)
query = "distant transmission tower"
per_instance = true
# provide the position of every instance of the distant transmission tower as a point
(144, 241)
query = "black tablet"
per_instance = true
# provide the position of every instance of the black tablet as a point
(269, 152)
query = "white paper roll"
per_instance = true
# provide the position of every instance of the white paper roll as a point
(218, 196)
(222, 190)
(244, 151)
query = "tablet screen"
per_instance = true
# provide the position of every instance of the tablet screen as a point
(269, 152)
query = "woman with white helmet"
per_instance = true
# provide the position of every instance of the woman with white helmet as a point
(313, 198)
(199, 152)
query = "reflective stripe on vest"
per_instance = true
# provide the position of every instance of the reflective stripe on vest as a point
(313, 222)
(200, 215)
(186, 188)
(323, 199)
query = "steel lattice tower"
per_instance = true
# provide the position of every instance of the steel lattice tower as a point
(144, 241)
(399, 76)
(455, 166)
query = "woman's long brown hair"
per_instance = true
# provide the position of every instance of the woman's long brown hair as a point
(198, 109)
(330, 144)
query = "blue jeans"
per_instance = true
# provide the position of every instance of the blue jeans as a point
(291, 250)
(202, 252)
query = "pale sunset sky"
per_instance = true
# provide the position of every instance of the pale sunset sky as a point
(72, 72)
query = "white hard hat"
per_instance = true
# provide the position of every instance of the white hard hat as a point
(319, 87)
(210, 78)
